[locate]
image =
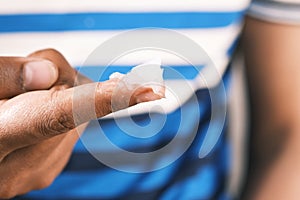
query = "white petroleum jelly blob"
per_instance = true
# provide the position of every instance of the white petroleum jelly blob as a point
(149, 74)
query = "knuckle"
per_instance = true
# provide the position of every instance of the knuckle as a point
(56, 125)
(58, 121)
(51, 50)
(47, 51)
(64, 121)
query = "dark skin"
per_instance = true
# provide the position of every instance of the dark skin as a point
(37, 125)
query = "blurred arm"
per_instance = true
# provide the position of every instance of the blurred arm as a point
(272, 53)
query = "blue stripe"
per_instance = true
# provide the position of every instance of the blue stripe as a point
(115, 21)
(200, 185)
(109, 183)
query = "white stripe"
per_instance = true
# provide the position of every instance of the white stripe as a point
(52, 6)
(286, 1)
(77, 46)
(275, 13)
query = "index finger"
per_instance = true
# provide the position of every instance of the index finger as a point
(35, 116)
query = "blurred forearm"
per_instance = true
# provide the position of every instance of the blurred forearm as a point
(273, 68)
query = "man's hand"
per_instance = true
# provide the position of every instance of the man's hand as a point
(37, 128)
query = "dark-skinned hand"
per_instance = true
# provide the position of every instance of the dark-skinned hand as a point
(38, 123)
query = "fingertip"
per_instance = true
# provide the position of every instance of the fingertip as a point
(146, 97)
(39, 74)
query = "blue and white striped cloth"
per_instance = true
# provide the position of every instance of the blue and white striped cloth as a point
(76, 28)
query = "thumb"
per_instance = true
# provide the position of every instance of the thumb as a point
(39, 74)
(18, 75)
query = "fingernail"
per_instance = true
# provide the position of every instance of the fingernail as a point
(40, 74)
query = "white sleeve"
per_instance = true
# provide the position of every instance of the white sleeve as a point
(278, 11)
